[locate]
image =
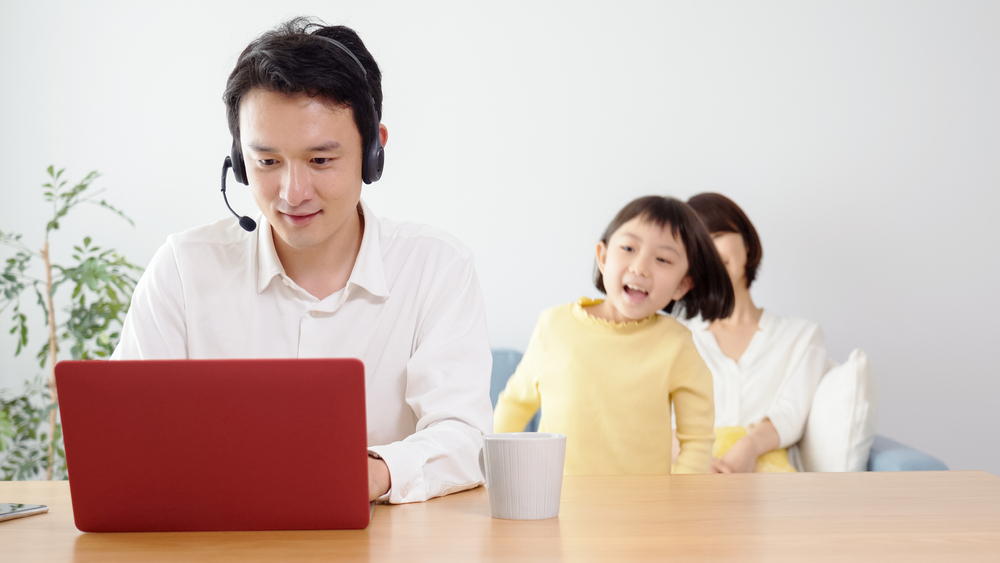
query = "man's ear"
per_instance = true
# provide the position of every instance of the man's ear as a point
(383, 134)
(602, 256)
(685, 286)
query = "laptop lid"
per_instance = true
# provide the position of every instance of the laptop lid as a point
(187, 445)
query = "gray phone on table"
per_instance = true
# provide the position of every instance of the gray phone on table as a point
(9, 511)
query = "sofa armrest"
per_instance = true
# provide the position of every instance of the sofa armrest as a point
(890, 455)
(504, 363)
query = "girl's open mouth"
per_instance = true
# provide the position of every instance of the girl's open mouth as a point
(635, 293)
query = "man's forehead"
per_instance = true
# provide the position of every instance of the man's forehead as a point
(260, 98)
(275, 121)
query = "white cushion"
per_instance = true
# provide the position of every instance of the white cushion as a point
(841, 425)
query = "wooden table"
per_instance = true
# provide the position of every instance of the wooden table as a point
(927, 516)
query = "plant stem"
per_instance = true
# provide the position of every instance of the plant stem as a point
(52, 359)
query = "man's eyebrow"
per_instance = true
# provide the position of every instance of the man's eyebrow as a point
(663, 246)
(260, 148)
(327, 146)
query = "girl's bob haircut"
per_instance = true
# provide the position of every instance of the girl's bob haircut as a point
(712, 293)
(721, 215)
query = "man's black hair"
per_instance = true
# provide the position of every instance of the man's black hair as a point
(288, 60)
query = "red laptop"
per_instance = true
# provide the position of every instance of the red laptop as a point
(188, 445)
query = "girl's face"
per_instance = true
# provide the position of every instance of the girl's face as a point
(644, 268)
(733, 252)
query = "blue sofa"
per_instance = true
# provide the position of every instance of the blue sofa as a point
(886, 454)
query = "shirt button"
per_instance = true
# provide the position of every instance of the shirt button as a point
(313, 313)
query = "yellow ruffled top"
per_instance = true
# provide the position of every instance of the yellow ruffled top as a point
(609, 387)
(579, 310)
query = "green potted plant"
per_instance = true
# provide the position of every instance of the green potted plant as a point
(101, 283)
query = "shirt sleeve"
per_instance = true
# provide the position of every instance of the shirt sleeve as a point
(520, 399)
(790, 408)
(447, 387)
(154, 327)
(694, 409)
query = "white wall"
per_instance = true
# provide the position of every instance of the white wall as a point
(863, 139)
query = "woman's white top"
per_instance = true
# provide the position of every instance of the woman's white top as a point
(775, 378)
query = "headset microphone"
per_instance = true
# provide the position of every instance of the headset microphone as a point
(247, 223)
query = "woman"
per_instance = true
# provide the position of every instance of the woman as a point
(765, 368)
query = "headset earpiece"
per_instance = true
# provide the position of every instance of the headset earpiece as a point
(239, 165)
(374, 157)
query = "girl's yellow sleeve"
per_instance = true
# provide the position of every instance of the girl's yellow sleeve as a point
(519, 400)
(694, 409)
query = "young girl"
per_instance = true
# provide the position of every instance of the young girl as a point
(606, 372)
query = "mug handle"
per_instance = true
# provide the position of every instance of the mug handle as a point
(482, 462)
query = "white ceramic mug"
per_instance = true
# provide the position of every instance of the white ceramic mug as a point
(524, 473)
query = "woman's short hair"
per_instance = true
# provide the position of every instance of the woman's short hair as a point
(711, 294)
(721, 215)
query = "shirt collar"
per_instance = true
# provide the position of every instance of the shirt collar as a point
(695, 323)
(765, 323)
(268, 264)
(368, 272)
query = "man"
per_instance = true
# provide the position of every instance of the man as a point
(321, 276)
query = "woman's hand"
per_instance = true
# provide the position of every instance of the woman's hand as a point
(742, 457)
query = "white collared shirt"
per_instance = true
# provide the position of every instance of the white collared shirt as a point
(775, 378)
(412, 312)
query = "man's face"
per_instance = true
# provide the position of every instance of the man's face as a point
(303, 159)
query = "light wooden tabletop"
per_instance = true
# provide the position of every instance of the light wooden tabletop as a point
(926, 516)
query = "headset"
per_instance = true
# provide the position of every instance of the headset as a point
(372, 159)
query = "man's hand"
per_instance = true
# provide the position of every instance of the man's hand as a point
(379, 480)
